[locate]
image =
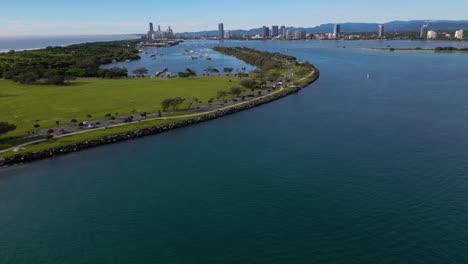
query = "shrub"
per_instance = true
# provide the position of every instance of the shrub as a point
(6, 127)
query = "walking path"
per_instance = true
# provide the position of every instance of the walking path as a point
(290, 74)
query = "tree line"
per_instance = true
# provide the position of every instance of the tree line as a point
(57, 65)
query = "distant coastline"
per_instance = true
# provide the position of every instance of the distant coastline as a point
(8, 43)
(435, 50)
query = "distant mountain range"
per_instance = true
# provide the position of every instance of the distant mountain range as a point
(413, 25)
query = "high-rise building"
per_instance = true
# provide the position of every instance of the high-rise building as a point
(283, 32)
(337, 31)
(265, 32)
(459, 34)
(227, 34)
(151, 33)
(289, 34)
(424, 29)
(274, 31)
(299, 34)
(431, 34)
(381, 31)
(220, 31)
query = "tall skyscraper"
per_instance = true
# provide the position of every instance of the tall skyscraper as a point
(220, 31)
(381, 31)
(337, 31)
(274, 31)
(151, 33)
(283, 32)
(424, 30)
(265, 32)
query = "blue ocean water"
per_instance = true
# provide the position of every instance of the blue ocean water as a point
(353, 169)
(197, 56)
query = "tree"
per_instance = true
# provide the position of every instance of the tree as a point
(222, 94)
(236, 91)
(228, 70)
(193, 100)
(187, 73)
(177, 102)
(6, 127)
(166, 103)
(26, 78)
(211, 70)
(54, 77)
(191, 72)
(172, 102)
(274, 76)
(249, 83)
(140, 72)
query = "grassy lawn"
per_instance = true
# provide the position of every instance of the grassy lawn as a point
(22, 105)
(90, 136)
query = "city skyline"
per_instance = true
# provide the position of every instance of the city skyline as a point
(56, 18)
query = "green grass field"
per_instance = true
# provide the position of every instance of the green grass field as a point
(52, 143)
(22, 105)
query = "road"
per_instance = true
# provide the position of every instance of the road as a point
(290, 75)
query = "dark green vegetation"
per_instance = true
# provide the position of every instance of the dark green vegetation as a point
(57, 65)
(450, 49)
(271, 67)
(6, 127)
(187, 73)
(37, 109)
(437, 49)
(264, 60)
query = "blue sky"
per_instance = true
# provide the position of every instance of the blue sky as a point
(54, 17)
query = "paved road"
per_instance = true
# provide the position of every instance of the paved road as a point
(290, 74)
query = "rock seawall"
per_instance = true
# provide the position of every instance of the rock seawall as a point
(58, 151)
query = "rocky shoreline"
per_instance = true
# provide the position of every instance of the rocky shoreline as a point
(53, 152)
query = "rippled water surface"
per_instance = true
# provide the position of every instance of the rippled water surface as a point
(350, 170)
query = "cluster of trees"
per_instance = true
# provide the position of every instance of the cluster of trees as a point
(172, 102)
(54, 65)
(228, 70)
(262, 59)
(211, 70)
(450, 49)
(235, 91)
(112, 73)
(140, 72)
(187, 73)
(6, 127)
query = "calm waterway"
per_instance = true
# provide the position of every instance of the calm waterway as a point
(350, 170)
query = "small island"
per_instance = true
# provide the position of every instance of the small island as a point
(437, 49)
(58, 100)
